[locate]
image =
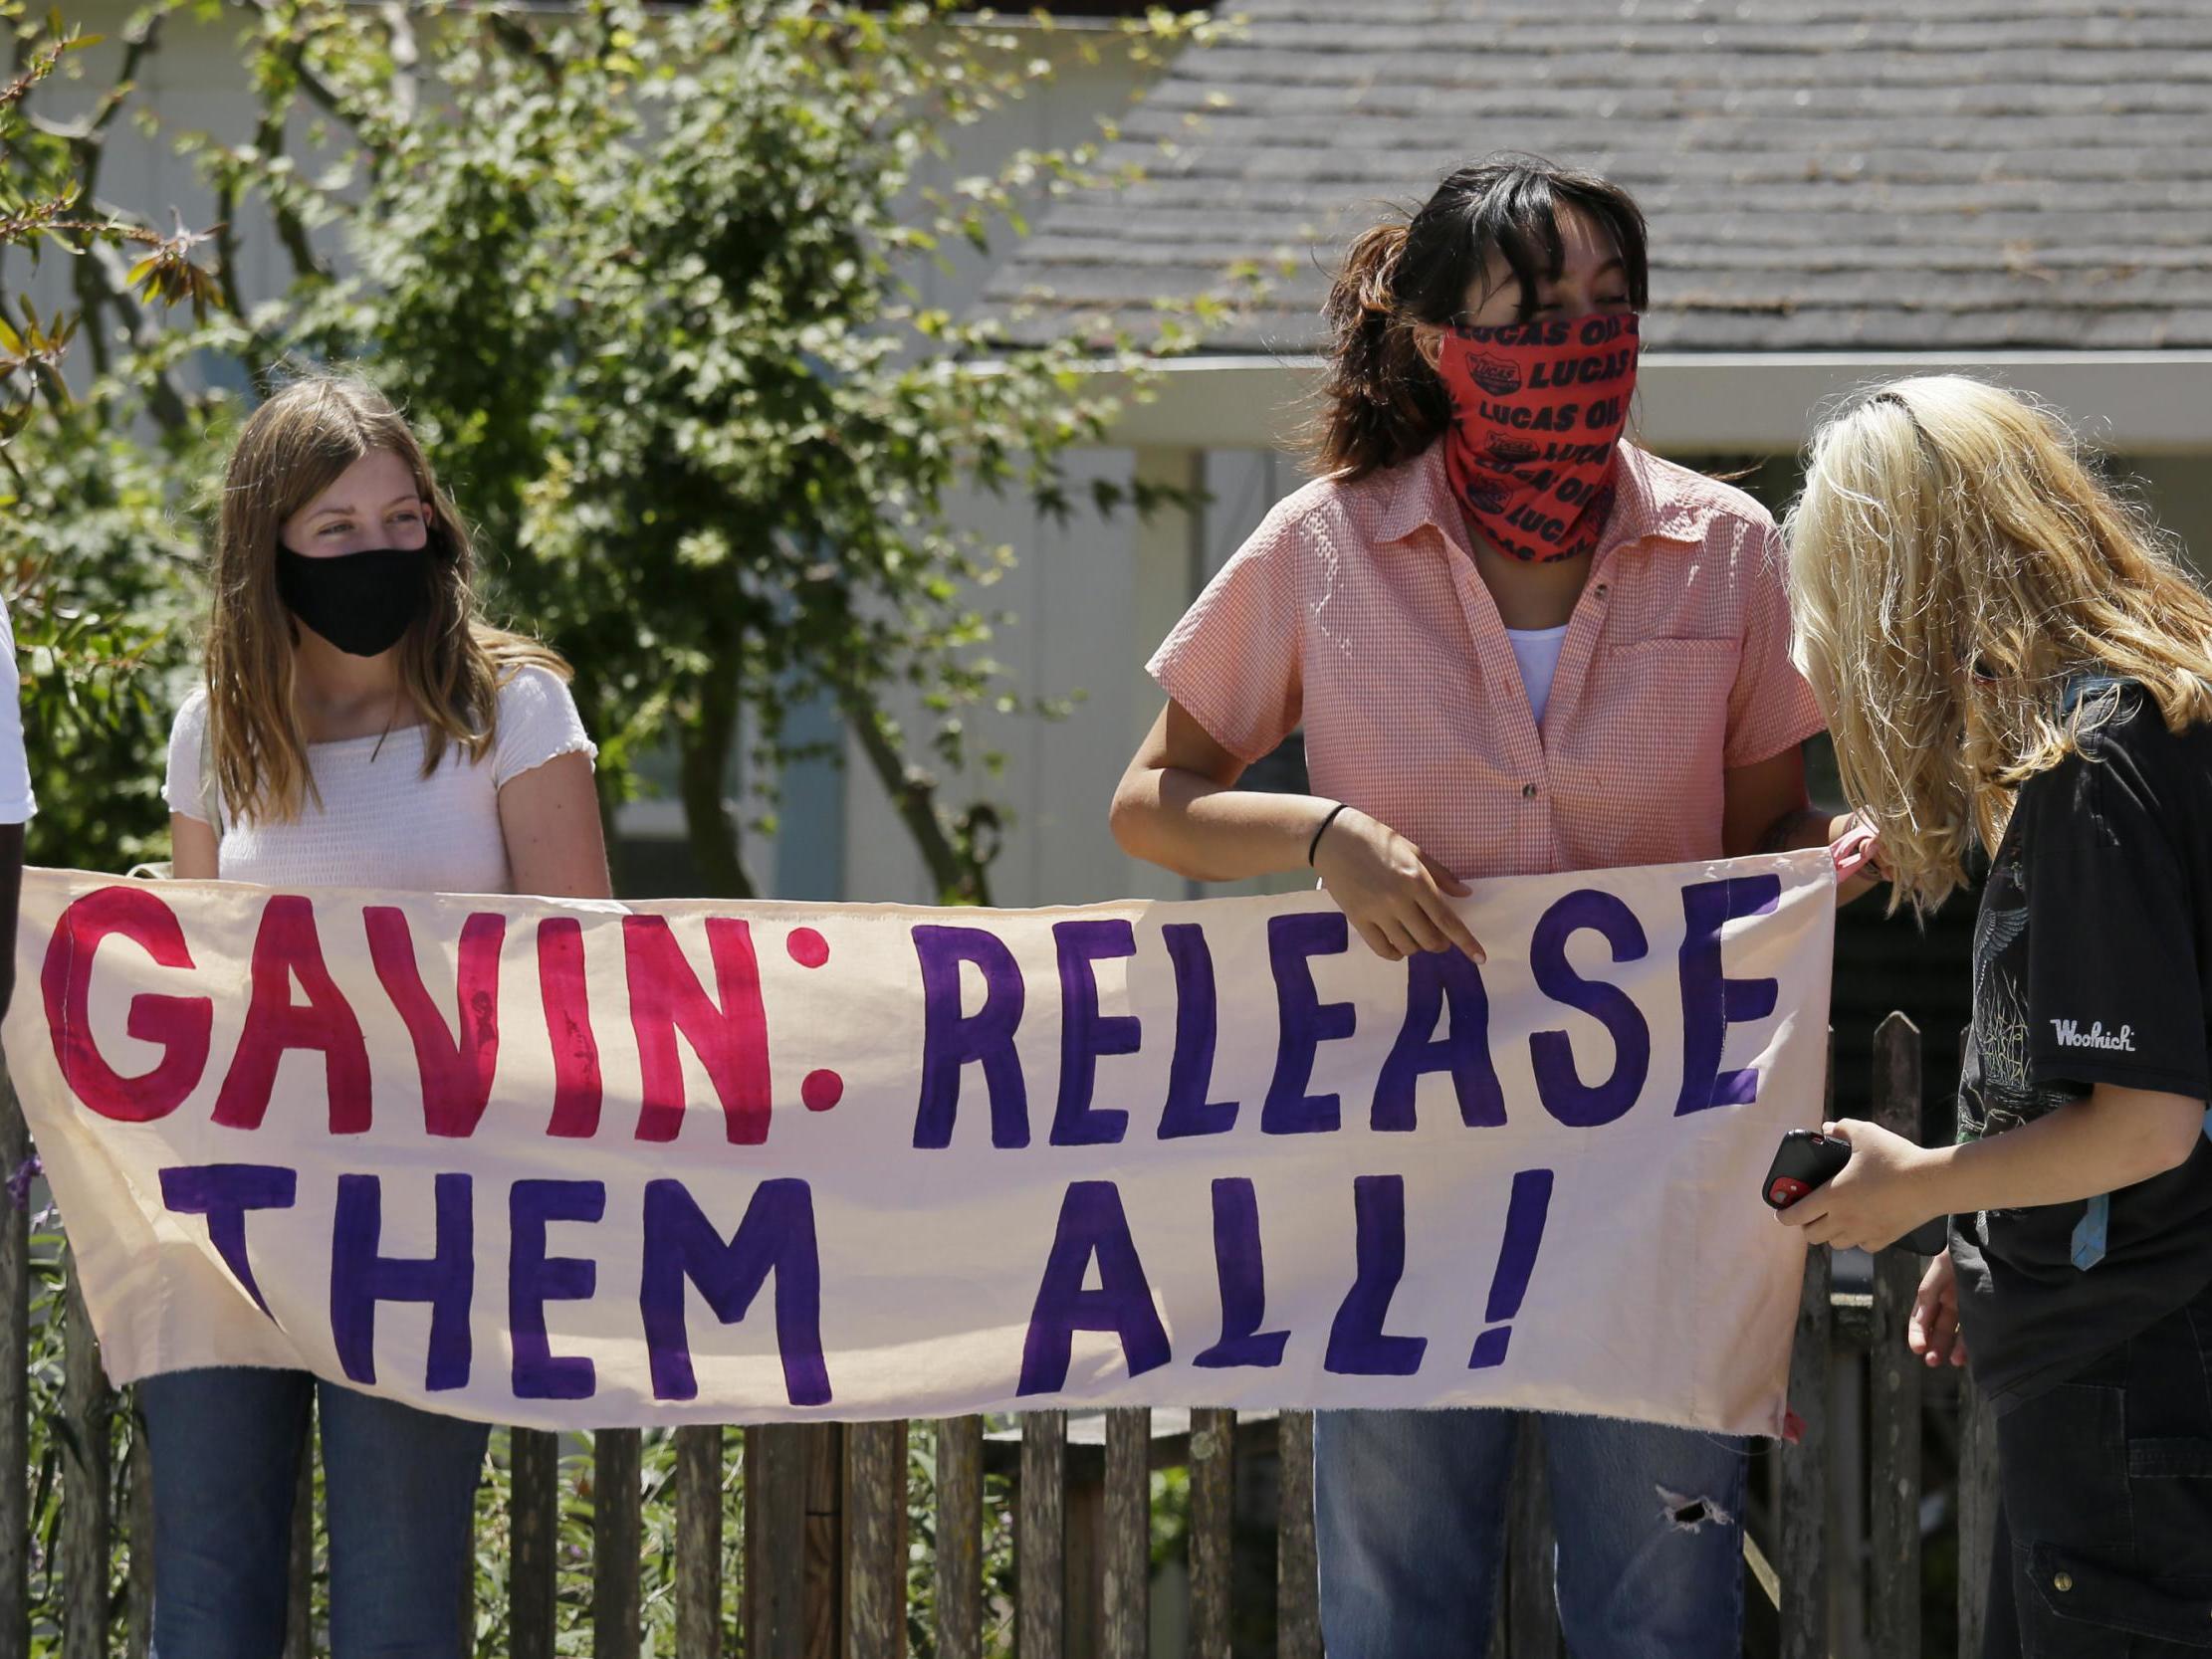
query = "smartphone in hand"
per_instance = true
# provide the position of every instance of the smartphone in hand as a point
(1807, 1159)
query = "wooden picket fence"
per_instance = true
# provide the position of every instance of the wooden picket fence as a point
(824, 1551)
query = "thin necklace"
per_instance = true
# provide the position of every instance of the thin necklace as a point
(391, 715)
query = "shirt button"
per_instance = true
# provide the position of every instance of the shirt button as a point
(2062, 1582)
(1528, 792)
(1599, 591)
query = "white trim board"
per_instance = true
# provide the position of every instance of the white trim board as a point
(2131, 402)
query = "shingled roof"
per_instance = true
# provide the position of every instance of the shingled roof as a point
(1890, 175)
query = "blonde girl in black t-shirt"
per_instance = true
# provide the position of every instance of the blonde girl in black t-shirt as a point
(2007, 653)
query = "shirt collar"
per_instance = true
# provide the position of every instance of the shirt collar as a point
(1646, 506)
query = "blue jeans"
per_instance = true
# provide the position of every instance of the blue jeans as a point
(1410, 1523)
(399, 1487)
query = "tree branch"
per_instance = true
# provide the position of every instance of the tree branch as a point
(959, 879)
(292, 230)
(512, 34)
(231, 292)
(327, 95)
(163, 401)
(88, 144)
(703, 760)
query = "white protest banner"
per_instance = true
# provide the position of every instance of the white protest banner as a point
(576, 1165)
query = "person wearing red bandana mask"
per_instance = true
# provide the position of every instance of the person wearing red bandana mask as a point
(1514, 388)
(1516, 643)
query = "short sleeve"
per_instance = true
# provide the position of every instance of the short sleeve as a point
(17, 804)
(1771, 709)
(538, 722)
(180, 785)
(1234, 660)
(2115, 986)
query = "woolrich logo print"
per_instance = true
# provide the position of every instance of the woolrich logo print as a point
(2071, 1035)
(1495, 375)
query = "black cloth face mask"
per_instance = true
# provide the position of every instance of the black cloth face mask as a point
(363, 603)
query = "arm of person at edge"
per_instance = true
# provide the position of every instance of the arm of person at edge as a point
(548, 816)
(1178, 808)
(2111, 1139)
(11, 891)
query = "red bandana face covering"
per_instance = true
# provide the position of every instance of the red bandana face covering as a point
(1537, 411)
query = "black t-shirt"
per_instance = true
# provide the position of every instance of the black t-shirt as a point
(2091, 964)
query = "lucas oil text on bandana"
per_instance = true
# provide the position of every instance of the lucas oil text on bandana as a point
(1537, 414)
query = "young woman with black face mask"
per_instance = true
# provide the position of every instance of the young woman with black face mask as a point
(359, 726)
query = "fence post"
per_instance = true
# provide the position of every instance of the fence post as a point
(775, 1557)
(1895, 1375)
(617, 1542)
(1213, 1530)
(822, 1567)
(1297, 1574)
(1041, 1547)
(699, 1543)
(86, 1484)
(1127, 1578)
(1977, 1511)
(875, 1568)
(534, 1526)
(1803, 1553)
(960, 1538)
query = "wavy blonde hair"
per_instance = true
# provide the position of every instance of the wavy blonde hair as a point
(1954, 562)
(451, 662)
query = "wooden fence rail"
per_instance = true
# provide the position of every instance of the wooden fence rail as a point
(821, 1512)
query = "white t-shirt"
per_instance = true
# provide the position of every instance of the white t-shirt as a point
(1537, 651)
(17, 804)
(380, 822)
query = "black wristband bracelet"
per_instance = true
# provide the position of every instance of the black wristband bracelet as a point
(1314, 846)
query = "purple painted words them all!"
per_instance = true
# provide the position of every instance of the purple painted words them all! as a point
(683, 1251)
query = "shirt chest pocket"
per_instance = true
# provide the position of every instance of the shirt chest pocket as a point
(1656, 710)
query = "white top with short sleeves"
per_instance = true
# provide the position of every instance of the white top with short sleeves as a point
(380, 822)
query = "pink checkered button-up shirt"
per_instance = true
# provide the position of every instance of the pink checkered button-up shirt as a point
(1356, 610)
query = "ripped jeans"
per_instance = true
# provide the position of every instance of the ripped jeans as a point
(1410, 1520)
(2103, 1547)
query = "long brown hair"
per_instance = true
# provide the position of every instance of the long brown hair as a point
(1954, 562)
(1382, 404)
(451, 663)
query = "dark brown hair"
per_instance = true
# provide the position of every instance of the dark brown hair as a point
(1382, 403)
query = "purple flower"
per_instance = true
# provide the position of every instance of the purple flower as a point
(19, 1183)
